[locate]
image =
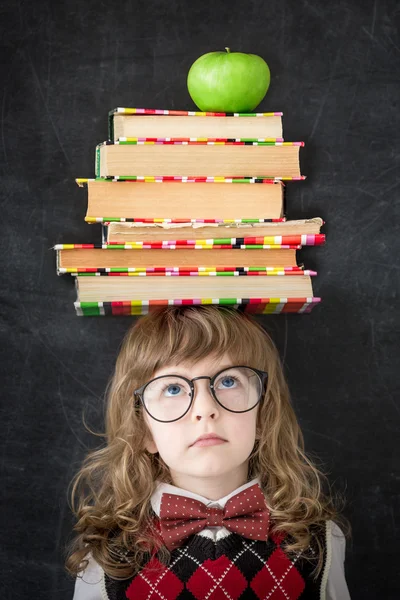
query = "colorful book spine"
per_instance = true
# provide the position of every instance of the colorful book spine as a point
(247, 305)
(197, 142)
(186, 270)
(108, 220)
(188, 113)
(82, 181)
(204, 140)
(244, 242)
(196, 272)
(169, 247)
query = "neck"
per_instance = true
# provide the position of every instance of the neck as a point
(213, 487)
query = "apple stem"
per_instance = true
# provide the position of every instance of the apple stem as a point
(228, 50)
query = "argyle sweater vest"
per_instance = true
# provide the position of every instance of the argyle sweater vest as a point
(233, 567)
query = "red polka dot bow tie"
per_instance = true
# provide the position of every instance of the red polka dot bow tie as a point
(246, 513)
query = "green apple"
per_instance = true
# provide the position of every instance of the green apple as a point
(228, 81)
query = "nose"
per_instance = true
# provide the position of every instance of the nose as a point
(204, 405)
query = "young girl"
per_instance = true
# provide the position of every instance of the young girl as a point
(203, 489)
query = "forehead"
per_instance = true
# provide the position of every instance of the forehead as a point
(205, 366)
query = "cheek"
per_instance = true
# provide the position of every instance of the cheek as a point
(242, 428)
(166, 436)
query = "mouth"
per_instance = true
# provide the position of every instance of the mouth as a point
(213, 441)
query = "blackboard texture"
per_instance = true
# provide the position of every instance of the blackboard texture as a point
(335, 76)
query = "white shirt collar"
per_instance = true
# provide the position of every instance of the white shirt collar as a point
(164, 488)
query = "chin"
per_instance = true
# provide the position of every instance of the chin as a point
(210, 467)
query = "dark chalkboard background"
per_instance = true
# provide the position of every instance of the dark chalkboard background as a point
(335, 75)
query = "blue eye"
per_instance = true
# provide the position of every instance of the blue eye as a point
(173, 389)
(228, 381)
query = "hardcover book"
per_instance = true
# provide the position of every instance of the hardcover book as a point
(264, 306)
(306, 232)
(160, 199)
(245, 243)
(134, 295)
(200, 158)
(73, 258)
(145, 122)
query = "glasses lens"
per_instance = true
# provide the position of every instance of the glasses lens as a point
(167, 398)
(238, 388)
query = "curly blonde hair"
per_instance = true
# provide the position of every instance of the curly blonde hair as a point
(111, 492)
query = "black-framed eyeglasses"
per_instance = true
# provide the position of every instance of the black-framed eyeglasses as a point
(168, 398)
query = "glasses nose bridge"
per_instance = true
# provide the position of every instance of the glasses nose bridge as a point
(202, 377)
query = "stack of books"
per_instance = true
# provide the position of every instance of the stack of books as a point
(192, 208)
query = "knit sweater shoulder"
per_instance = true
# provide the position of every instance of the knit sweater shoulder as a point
(231, 567)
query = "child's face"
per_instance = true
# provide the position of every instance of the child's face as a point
(225, 461)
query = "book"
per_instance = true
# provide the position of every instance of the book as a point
(124, 287)
(121, 233)
(198, 270)
(198, 158)
(244, 243)
(135, 295)
(264, 306)
(145, 122)
(74, 258)
(188, 200)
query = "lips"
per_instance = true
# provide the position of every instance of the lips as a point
(208, 439)
(209, 442)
